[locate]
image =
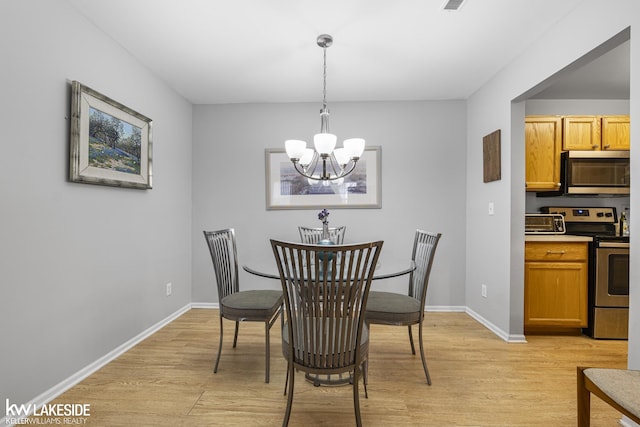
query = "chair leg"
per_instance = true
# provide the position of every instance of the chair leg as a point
(356, 398)
(287, 413)
(215, 369)
(267, 348)
(584, 400)
(364, 377)
(413, 349)
(424, 360)
(235, 336)
(286, 380)
(365, 373)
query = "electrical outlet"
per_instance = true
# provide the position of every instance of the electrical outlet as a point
(169, 289)
(484, 290)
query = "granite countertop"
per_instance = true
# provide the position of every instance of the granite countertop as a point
(556, 238)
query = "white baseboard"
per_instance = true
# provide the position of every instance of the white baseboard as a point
(211, 305)
(626, 422)
(74, 379)
(446, 308)
(512, 338)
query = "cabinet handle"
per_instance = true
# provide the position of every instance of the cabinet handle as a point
(556, 252)
(607, 146)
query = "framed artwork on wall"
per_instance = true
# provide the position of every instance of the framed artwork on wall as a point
(287, 189)
(110, 144)
(491, 157)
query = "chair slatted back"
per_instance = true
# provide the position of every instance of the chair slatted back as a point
(222, 246)
(325, 290)
(424, 249)
(312, 235)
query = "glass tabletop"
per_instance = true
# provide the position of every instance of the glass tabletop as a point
(386, 268)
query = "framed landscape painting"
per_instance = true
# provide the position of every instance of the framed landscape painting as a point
(287, 189)
(110, 143)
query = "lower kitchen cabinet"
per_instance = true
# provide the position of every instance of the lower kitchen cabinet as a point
(555, 285)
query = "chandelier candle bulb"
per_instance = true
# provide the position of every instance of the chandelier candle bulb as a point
(307, 157)
(341, 156)
(295, 148)
(354, 147)
(324, 142)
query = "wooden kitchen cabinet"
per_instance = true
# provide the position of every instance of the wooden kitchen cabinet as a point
(616, 133)
(555, 285)
(543, 143)
(581, 133)
(593, 133)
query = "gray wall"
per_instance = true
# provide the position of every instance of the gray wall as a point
(423, 180)
(83, 267)
(500, 104)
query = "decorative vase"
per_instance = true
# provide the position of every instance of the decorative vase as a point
(325, 239)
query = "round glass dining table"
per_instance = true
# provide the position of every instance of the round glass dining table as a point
(385, 269)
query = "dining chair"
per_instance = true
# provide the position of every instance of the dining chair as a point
(620, 388)
(325, 293)
(311, 235)
(250, 305)
(389, 308)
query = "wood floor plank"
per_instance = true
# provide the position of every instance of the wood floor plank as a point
(478, 379)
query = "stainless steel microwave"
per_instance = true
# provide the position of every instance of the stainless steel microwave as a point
(594, 173)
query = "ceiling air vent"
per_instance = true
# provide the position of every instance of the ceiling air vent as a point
(452, 4)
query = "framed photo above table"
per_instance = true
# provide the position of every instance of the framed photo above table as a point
(110, 143)
(287, 189)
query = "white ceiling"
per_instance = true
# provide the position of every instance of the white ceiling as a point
(236, 51)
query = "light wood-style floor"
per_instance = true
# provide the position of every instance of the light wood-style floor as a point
(478, 379)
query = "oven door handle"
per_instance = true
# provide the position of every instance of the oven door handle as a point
(622, 245)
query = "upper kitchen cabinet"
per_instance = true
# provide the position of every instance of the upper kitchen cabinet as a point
(592, 133)
(543, 143)
(581, 133)
(615, 133)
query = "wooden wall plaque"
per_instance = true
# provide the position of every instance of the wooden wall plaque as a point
(491, 156)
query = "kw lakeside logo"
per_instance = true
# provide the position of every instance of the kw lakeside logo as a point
(51, 413)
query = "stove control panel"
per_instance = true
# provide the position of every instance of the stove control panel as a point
(605, 215)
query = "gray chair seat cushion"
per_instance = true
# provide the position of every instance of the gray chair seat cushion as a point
(390, 302)
(253, 300)
(623, 386)
(389, 308)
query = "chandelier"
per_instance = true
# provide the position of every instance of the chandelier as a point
(325, 163)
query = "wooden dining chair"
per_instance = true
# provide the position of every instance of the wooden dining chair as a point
(325, 292)
(312, 235)
(250, 305)
(389, 308)
(620, 388)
